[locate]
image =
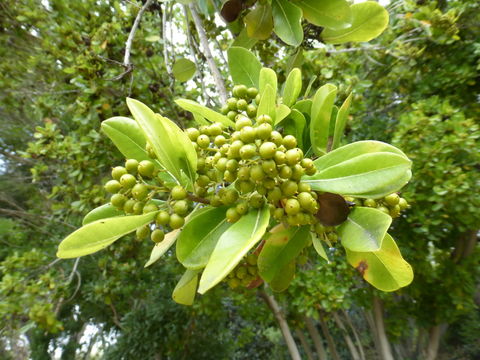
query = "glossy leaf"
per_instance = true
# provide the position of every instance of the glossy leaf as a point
(385, 268)
(267, 77)
(184, 69)
(259, 22)
(341, 121)
(102, 212)
(244, 66)
(364, 229)
(204, 111)
(320, 117)
(127, 136)
(281, 112)
(267, 103)
(294, 125)
(293, 87)
(283, 277)
(318, 246)
(99, 234)
(184, 292)
(295, 60)
(287, 19)
(162, 247)
(334, 14)
(199, 237)
(242, 40)
(281, 248)
(172, 146)
(369, 19)
(304, 106)
(233, 245)
(309, 86)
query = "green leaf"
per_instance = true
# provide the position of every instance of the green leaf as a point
(364, 229)
(199, 237)
(281, 248)
(341, 121)
(284, 277)
(293, 87)
(267, 77)
(203, 111)
(233, 245)
(244, 66)
(184, 292)
(127, 136)
(309, 86)
(281, 112)
(259, 22)
(287, 20)
(304, 106)
(99, 234)
(294, 125)
(320, 117)
(162, 247)
(172, 146)
(385, 268)
(369, 19)
(318, 246)
(102, 212)
(183, 69)
(242, 40)
(334, 14)
(369, 175)
(295, 60)
(267, 103)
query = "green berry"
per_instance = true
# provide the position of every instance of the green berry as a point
(150, 151)
(269, 167)
(193, 133)
(298, 172)
(256, 201)
(118, 200)
(278, 214)
(395, 211)
(257, 99)
(224, 110)
(140, 191)
(221, 164)
(232, 215)
(304, 187)
(242, 105)
(146, 168)
(311, 171)
(256, 173)
(132, 166)
(294, 156)
(229, 176)
(392, 199)
(138, 208)
(163, 218)
(246, 187)
(178, 193)
(232, 103)
(289, 142)
(113, 186)
(215, 129)
(248, 134)
(118, 172)
(157, 235)
(306, 201)
(128, 206)
(248, 151)
(269, 183)
(203, 141)
(276, 138)
(251, 110)
(252, 92)
(230, 197)
(150, 207)
(233, 283)
(232, 115)
(370, 203)
(180, 207)
(403, 204)
(264, 119)
(274, 195)
(143, 232)
(319, 228)
(264, 131)
(241, 272)
(241, 122)
(285, 172)
(251, 259)
(232, 165)
(268, 150)
(307, 163)
(234, 150)
(292, 206)
(242, 208)
(176, 221)
(384, 209)
(128, 181)
(240, 91)
(280, 157)
(243, 173)
(219, 140)
(289, 188)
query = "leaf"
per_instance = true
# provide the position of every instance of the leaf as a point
(334, 14)
(242, 40)
(369, 19)
(287, 20)
(293, 87)
(369, 175)
(244, 66)
(283, 278)
(281, 112)
(267, 103)
(320, 117)
(295, 60)
(153, 38)
(204, 111)
(199, 237)
(318, 246)
(341, 121)
(364, 229)
(102, 212)
(259, 22)
(183, 69)
(172, 146)
(127, 136)
(385, 268)
(294, 125)
(304, 106)
(233, 245)
(99, 234)
(162, 247)
(267, 77)
(281, 248)
(309, 86)
(184, 292)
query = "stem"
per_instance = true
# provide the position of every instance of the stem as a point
(128, 44)
(317, 340)
(164, 36)
(287, 335)
(305, 344)
(351, 347)
(385, 350)
(330, 342)
(217, 77)
(198, 199)
(355, 334)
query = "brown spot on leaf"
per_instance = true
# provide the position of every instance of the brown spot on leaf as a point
(362, 267)
(333, 209)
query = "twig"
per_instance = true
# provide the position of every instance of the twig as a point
(128, 44)
(217, 77)
(198, 199)
(164, 36)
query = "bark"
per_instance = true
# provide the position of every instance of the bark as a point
(434, 336)
(371, 323)
(317, 340)
(305, 344)
(385, 351)
(287, 334)
(351, 346)
(331, 344)
(355, 334)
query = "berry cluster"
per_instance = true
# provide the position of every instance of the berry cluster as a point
(391, 204)
(244, 274)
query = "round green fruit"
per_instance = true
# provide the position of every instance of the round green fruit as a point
(157, 235)
(132, 166)
(128, 181)
(146, 168)
(113, 186)
(162, 218)
(178, 193)
(176, 221)
(118, 172)
(268, 150)
(118, 200)
(140, 191)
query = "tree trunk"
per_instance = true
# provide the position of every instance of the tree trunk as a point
(351, 346)
(355, 334)
(317, 340)
(331, 344)
(385, 351)
(434, 337)
(305, 344)
(287, 334)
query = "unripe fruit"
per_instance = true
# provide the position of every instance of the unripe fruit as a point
(274, 195)
(241, 122)
(150, 207)
(251, 110)
(138, 208)
(224, 110)
(221, 164)
(118, 200)
(289, 142)
(142, 232)
(305, 200)
(384, 209)
(241, 208)
(229, 176)
(176, 221)
(241, 272)
(392, 199)
(307, 163)
(193, 133)
(268, 150)
(232, 103)
(240, 91)
(278, 214)
(285, 172)
(333, 237)
(180, 207)
(257, 99)
(248, 134)
(395, 211)
(304, 187)
(294, 156)
(215, 129)
(319, 228)
(140, 191)
(289, 188)
(251, 259)
(264, 119)
(146, 168)
(232, 215)
(264, 131)
(132, 166)
(178, 193)
(232, 165)
(280, 157)
(235, 135)
(246, 187)
(292, 207)
(370, 203)
(216, 201)
(256, 200)
(234, 151)
(219, 140)
(233, 283)
(269, 183)
(128, 206)
(256, 173)
(128, 181)
(230, 196)
(157, 235)
(269, 167)
(276, 138)
(203, 141)
(298, 172)
(162, 218)
(232, 115)
(242, 104)
(262, 190)
(118, 172)
(248, 151)
(252, 92)
(203, 180)
(311, 171)
(113, 186)
(403, 204)
(243, 173)
(203, 130)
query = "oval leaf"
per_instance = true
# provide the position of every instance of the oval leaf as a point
(183, 69)
(293, 87)
(369, 19)
(99, 234)
(259, 22)
(341, 121)
(287, 20)
(281, 112)
(184, 292)
(385, 268)
(162, 247)
(102, 212)
(199, 237)
(204, 112)
(242, 40)
(334, 14)
(284, 277)
(364, 229)
(233, 245)
(267, 103)
(267, 77)
(244, 66)
(317, 244)
(294, 125)
(320, 117)
(127, 136)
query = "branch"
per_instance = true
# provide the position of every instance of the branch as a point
(217, 77)
(128, 44)
(164, 36)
